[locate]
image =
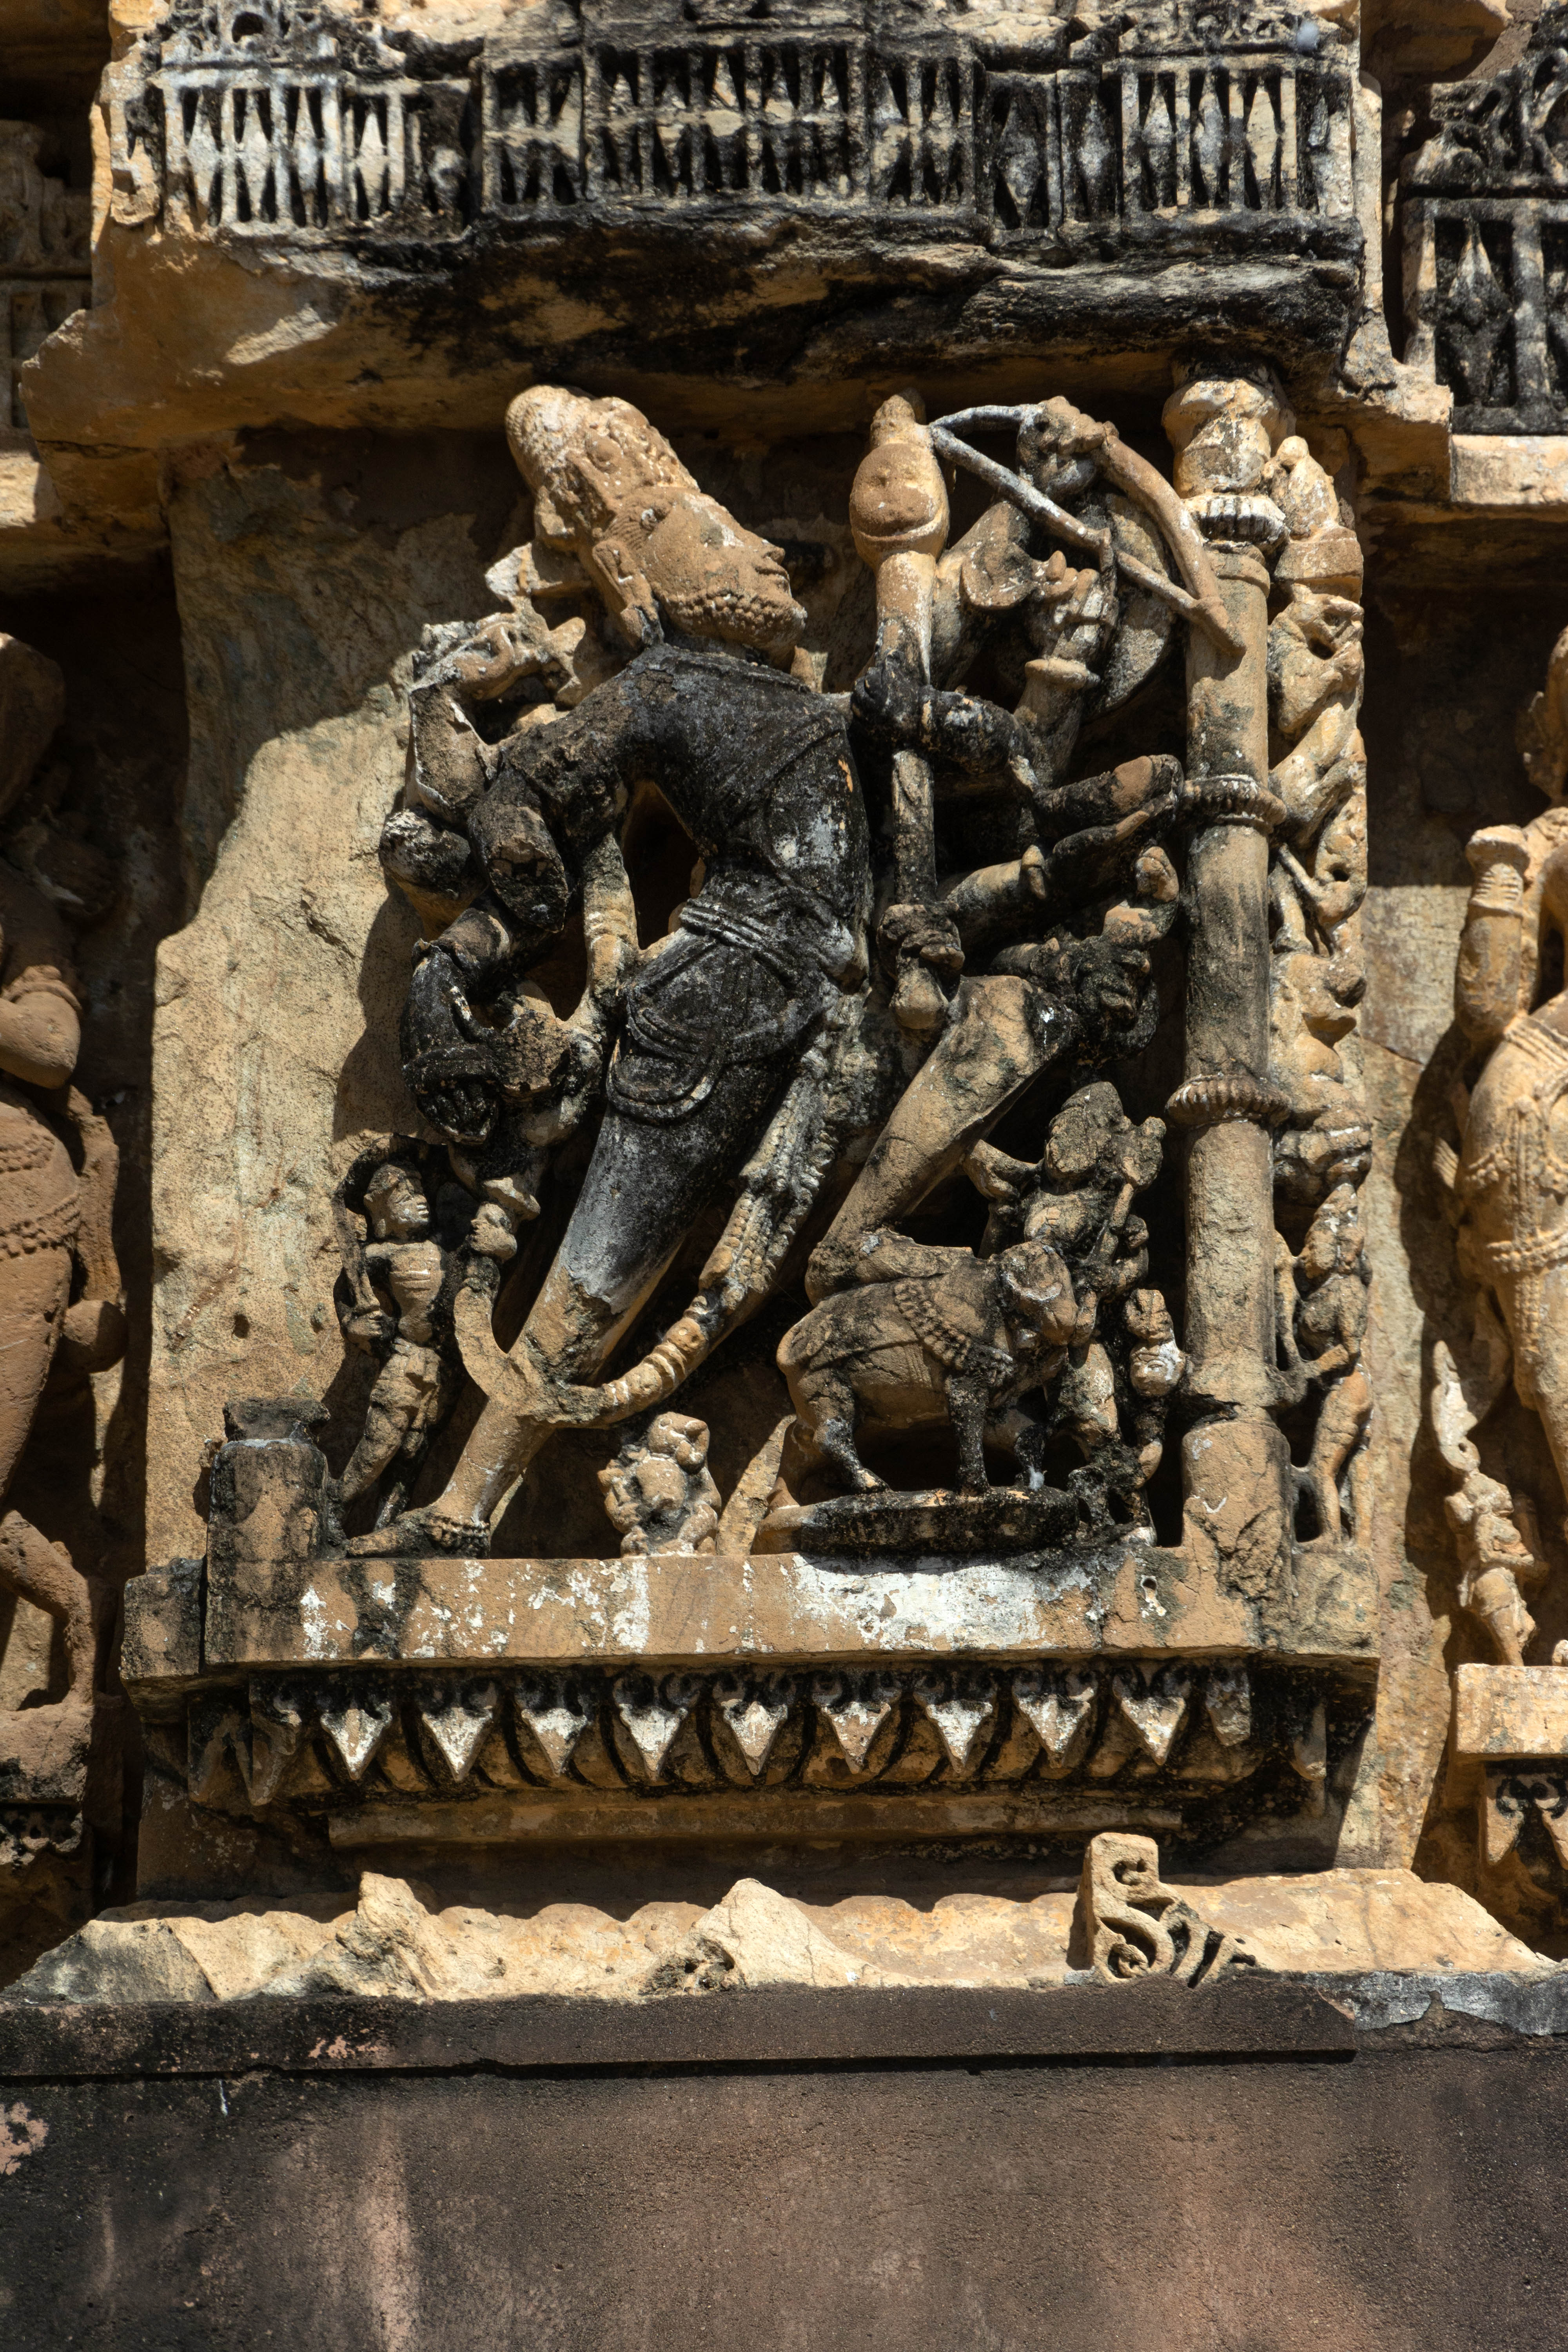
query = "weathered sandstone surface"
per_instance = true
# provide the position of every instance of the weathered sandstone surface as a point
(396, 1942)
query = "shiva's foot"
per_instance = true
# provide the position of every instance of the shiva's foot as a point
(422, 1532)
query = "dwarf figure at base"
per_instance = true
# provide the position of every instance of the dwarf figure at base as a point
(417, 1261)
(659, 1492)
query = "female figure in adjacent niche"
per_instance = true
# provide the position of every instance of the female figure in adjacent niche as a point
(53, 1219)
(1510, 1181)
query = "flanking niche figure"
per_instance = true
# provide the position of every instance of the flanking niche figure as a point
(61, 1319)
(61, 1299)
(1506, 1178)
(1504, 1167)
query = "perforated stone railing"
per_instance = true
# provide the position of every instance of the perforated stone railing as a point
(270, 120)
(45, 273)
(1486, 243)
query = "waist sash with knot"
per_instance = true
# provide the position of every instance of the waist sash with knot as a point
(752, 969)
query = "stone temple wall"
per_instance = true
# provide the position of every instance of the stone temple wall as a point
(784, 1196)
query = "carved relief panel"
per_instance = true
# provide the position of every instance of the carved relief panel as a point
(978, 1132)
(44, 268)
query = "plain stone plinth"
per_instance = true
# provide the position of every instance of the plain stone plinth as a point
(1246, 2167)
(774, 1606)
(1511, 1711)
(1510, 470)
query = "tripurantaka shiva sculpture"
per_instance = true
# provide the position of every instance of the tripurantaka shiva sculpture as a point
(1013, 1087)
(769, 1038)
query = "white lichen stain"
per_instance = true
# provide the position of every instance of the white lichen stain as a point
(631, 1620)
(939, 1608)
(314, 1618)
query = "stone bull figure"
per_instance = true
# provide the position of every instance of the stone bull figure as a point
(929, 1335)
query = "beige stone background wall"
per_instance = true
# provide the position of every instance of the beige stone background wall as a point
(236, 629)
(307, 566)
(306, 571)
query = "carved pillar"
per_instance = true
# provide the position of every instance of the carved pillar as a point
(45, 273)
(1225, 429)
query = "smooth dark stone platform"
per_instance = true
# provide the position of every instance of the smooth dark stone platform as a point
(1245, 2168)
(937, 1524)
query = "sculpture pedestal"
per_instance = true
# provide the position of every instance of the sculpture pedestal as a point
(382, 1704)
(1006, 1520)
(1510, 1729)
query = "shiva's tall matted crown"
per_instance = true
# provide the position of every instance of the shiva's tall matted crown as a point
(589, 461)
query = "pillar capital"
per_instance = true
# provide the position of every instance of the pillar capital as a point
(1224, 422)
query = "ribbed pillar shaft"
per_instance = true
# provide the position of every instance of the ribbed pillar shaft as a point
(1235, 1465)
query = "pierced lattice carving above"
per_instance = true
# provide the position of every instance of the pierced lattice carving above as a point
(1486, 238)
(45, 273)
(267, 119)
